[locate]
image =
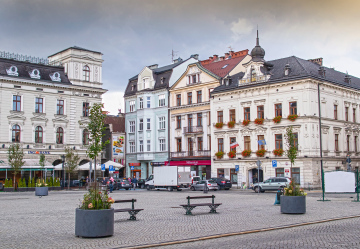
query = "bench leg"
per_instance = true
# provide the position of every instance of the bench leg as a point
(213, 208)
(133, 214)
(188, 210)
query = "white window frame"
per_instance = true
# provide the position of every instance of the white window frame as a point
(132, 105)
(141, 102)
(148, 124)
(148, 102)
(162, 144)
(131, 126)
(162, 123)
(162, 100)
(141, 124)
(132, 147)
(141, 145)
(146, 83)
(148, 145)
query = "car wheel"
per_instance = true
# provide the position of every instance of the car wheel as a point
(170, 189)
(127, 189)
(148, 187)
(192, 189)
(256, 189)
(178, 189)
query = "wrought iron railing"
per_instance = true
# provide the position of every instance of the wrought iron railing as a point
(27, 58)
(193, 129)
(196, 153)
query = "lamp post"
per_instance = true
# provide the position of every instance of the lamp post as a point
(63, 171)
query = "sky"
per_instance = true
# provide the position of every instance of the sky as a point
(132, 34)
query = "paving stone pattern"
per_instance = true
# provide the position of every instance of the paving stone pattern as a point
(28, 221)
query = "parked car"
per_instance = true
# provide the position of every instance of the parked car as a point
(141, 183)
(73, 183)
(195, 179)
(222, 183)
(211, 185)
(273, 183)
(122, 183)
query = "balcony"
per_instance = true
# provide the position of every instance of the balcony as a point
(199, 153)
(193, 129)
(145, 156)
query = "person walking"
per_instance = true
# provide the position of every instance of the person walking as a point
(111, 185)
(134, 181)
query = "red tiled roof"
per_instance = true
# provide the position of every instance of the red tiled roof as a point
(217, 65)
(118, 123)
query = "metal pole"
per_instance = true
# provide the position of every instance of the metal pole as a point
(63, 171)
(321, 159)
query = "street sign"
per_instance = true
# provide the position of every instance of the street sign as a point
(102, 167)
(111, 168)
(236, 168)
(274, 163)
(132, 168)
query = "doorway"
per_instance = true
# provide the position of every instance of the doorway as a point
(136, 173)
(253, 176)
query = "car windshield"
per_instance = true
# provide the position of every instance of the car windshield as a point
(211, 181)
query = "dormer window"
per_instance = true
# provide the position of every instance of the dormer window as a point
(13, 71)
(35, 74)
(162, 80)
(287, 70)
(55, 77)
(253, 74)
(347, 79)
(146, 83)
(195, 78)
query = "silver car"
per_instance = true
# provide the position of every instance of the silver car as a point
(211, 185)
(273, 183)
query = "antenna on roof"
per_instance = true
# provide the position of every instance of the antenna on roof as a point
(173, 55)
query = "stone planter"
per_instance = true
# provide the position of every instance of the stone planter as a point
(41, 191)
(94, 223)
(8, 189)
(31, 189)
(56, 188)
(293, 204)
(22, 189)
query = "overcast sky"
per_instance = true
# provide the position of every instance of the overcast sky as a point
(133, 34)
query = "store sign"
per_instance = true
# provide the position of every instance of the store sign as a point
(39, 152)
(134, 164)
(287, 170)
(157, 163)
(118, 146)
(188, 163)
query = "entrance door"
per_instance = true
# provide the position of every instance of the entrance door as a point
(190, 146)
(136, 173)
(255, 177)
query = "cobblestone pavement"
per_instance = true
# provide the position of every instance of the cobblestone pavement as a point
(28, 221)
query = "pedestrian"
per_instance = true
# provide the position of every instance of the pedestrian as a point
(134, 181)
(111, 185)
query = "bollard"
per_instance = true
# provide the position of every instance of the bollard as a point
(205, 188)
(277, 197)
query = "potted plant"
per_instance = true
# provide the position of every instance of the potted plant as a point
(219, 154)
(232, 154)
(277, 119)
(8, 186)
(294, 200)
(245, 122)
(41, 188)
(259, 121)
(219, 125)
(260, 153)
(246, 153)
(278, 152)
(95, 217)
(292, 117)
(231, 124)
(31, 184)
(57, 185)
(22, 185)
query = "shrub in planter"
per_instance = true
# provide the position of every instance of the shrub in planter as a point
(294, 200)
(219, 154)
(232, 154)
(246, 153)
(260, 153)
(278, 152)
(277, 119)
(231, 124)
(259, 121)
(246, 122)
(292, 117)
(8, 186)
(219, 125)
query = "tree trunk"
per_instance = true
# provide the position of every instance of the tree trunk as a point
(69, 182)
(14, 180)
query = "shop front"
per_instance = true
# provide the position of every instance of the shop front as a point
(200, 168)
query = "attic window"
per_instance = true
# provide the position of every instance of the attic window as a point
(162, 80)
(13, 71)
(60, 91)
(35, 74)
(85, 94)
(287, 70)
(39, 89)
(55, 77)
(347, 79)
(17, 86)
(225, 66)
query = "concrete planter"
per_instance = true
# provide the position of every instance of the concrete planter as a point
(293, 204)
(31, 189)
(8, 189)
(56, 188)
(22, 189)
(94, 223)
(41, 191)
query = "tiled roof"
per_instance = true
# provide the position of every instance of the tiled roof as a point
(118, 123)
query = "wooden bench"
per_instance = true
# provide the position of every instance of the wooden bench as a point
(132, 211)
(189, 207)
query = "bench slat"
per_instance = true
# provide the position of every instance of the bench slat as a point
(198, 197)
(201, 204)
(127, 210)
(119, 201)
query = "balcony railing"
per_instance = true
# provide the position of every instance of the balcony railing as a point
(197, 153)
(193, 129)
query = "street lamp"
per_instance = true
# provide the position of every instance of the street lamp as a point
(63, 171)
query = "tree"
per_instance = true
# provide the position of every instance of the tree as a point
(72, 161)
(15, 157)
(291, 151)
(42, 164)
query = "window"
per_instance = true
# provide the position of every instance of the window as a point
(278, 110)
(86, 135)
(262, 146)
(293, 108)
(220, 117)
(141, 146)
(178, 99)
(190, 121)
(148, 100)
(233, 140)
(190, 146)
(131, 126)
(15, 133)
(335, 112)
(161, 123)
(210, 90)
(141, 103)
(354, 115)
(141, 124)
(178, 122)
(189, 96)
(146, 83)
(247, 113)
(17, 103)
(178, 144)
(295, 174)
(232, 115)
(221, 144)
(220, 173)
(336, 142)
(162, 144)
(346, 113)
(200, 143)
(199, 119)
(209, 118)
(86, 73)
(39, 105)
(355, 143)
(148, 145)
(247, 143)
(132, 105)
(199, 96)
(132, 147)
(38, 134)
(278, 141)
(260, 111)
(85, 109)
(59, 135)
(253, 75)
(348, 143)
(148, 124)
(279, 172)
(162, 100)
(194, 79)
(296, 143)
(60, 107)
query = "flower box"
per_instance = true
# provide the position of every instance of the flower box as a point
(246, 122)
(277, 119)
(231, 124)
(94, 223)
(246, 153)
(219, 154)
(22, 189)
(41, 191)
(292, 117)
(219, 125)
(260, 153)
(8, 189)
(232, 154)
(292, 204)
(278, 152)
(259, 121)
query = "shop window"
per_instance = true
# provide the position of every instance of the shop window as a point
(295, 174)
(220, 173)
(279, 172)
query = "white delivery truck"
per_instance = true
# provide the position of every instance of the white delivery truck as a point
(169, 177)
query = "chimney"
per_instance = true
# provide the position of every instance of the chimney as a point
(227, 55)
(347, 79)
(318, 61)
(231, 53)
(322, 71)
(222, 58)
(153, 66)
(195, 56)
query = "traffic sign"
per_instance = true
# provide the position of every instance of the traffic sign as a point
(111, 168)
(102, 167)
(236, 168)
(132, 168)
(274, 163)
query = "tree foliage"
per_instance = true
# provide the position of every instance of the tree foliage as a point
(15, 158)
(291, 151)
(72, 160)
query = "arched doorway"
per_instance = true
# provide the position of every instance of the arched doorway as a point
(253, 176)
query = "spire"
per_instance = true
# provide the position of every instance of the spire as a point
(257, 37)
(257, 53)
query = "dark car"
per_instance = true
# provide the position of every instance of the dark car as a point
(122, 183)
(73, 183)
(222, 183)
(141, 183)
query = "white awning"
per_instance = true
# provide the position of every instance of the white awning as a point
(29, 164)
(115, 164)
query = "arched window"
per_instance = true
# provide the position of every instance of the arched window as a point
(85, 137)
(59, 135)
(38, 134)
(253, 75)
(16, 133)
(86, 71)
